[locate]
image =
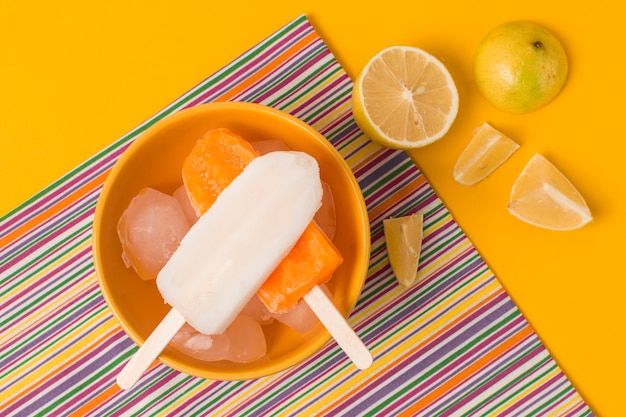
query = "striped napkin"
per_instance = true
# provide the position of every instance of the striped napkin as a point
(455, 344)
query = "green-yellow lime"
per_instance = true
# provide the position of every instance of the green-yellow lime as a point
(404, 98)
(403, 236)
(519, 67)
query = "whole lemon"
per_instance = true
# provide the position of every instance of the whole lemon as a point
(519, 67)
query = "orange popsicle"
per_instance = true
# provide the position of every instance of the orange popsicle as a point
(214, 162)
(310, 262)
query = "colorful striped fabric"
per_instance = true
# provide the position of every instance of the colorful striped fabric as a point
(455, 344)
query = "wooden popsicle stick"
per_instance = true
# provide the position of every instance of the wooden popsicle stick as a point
(150, 350)
(338, 327)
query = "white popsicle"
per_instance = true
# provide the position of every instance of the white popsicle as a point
(230, 251)
(255, 221)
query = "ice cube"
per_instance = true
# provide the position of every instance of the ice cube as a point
(301, 318)
(269, 145)
(247, 340)
(180, 194)
(150, 230)
(201, 346)
(256, 310)
(326, 217)
(242, 342)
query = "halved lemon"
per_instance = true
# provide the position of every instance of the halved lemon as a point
(486, 151)
(403, 236)
(544, 197)
(404, 98)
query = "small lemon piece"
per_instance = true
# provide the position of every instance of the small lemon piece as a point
(404, 98)
(403, 236)
(544, 197)
(486, 151)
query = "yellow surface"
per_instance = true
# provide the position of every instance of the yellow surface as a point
(75, 76)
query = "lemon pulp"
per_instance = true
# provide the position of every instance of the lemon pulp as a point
(404, 98)
(486, 151)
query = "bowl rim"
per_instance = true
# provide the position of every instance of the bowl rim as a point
(175, 118)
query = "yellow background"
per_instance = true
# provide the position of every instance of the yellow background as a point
(75, 76)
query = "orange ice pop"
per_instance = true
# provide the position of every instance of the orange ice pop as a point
(214, 162)
(312, 260)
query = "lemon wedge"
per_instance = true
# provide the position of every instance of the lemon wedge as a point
(403, 236)
(486, 151)
(404, 98)
(544, 197)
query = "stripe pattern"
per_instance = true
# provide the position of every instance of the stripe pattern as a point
(454, 344)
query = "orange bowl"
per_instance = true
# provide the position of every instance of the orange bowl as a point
(155, 160)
